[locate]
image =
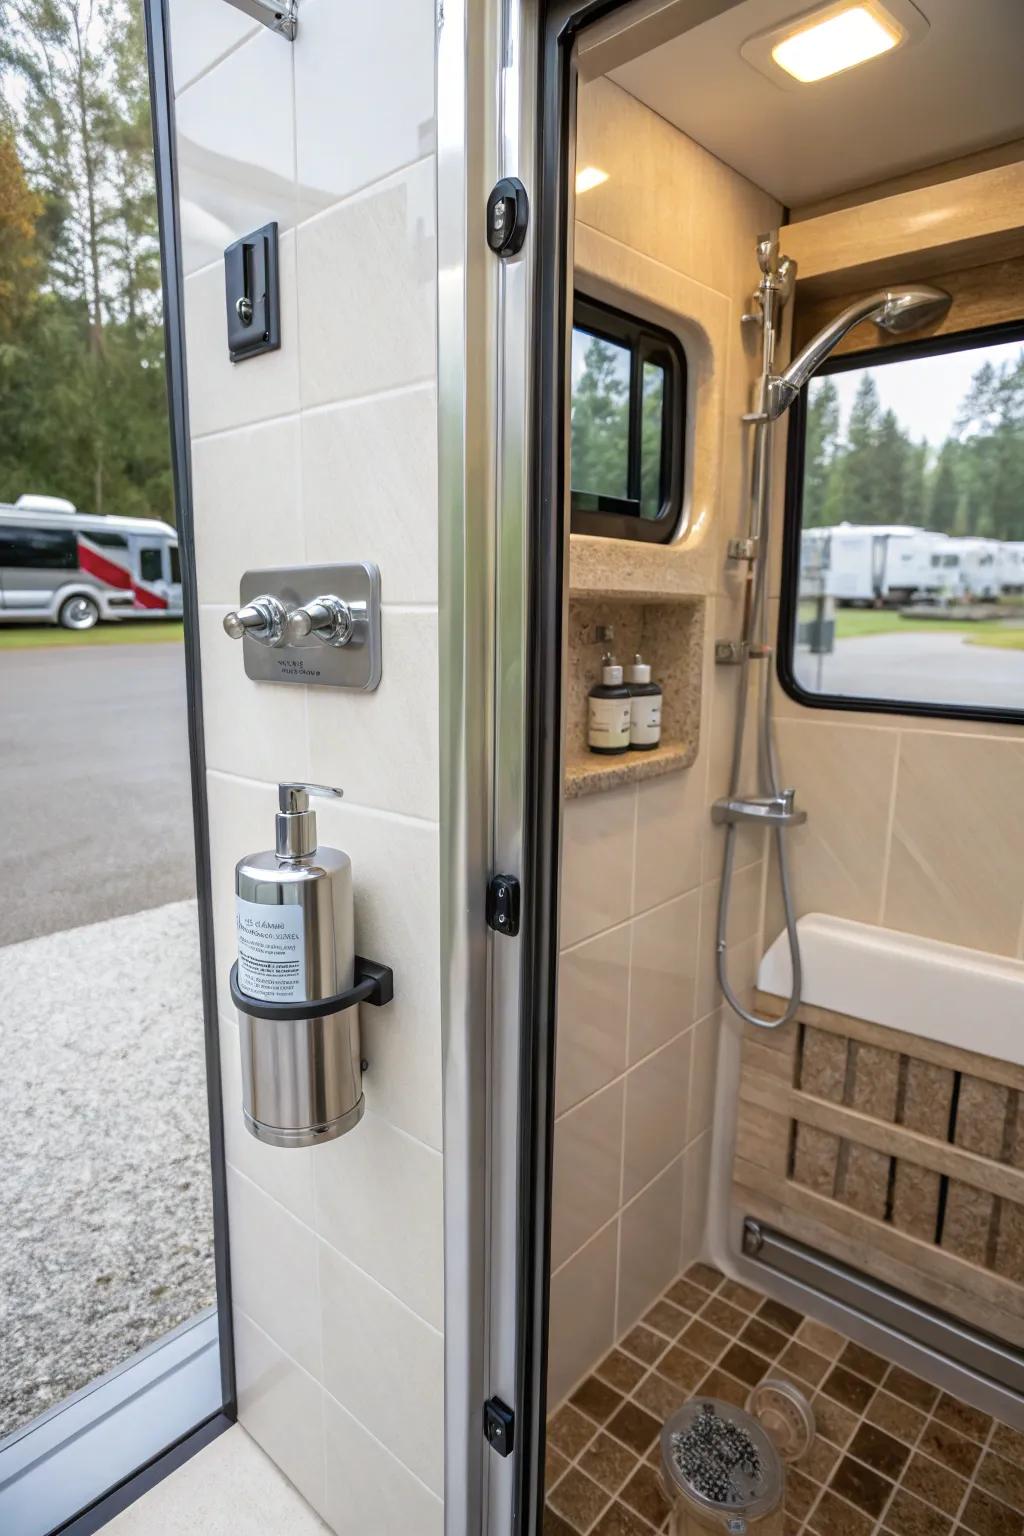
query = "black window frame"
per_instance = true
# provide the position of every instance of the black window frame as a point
(847, 362)
(612, 517)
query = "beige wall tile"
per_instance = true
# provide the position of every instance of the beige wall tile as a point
(703, 1070)
(587, 1167)
(956, 868)
(279, 1404)
(671, 817)
(240, 483)
(663, 974)
(375, 1351)
(843, 777)
(656, 1105)
(652, 1230)
(593, 999)
(367, 1488)
(696, 1177)
(376, 256)
(743, 936)
(349, 466)
(582, 1320)
(598, 837)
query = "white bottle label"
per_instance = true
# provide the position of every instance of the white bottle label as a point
(271, 952)
(609, 723)
(645, 720)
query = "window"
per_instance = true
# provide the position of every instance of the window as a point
(175, 565)
(104, 539)
(628, 397)
(903, 587)
(38, 549)
(151, 564)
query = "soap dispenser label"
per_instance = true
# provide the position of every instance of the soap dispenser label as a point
(271, 951)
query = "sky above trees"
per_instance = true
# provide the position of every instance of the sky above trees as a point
(83, 410)
(869, 469)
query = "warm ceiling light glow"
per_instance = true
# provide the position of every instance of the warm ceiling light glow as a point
(822, 48)
(589, 177)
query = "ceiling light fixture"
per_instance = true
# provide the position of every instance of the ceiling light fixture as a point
(826, 47)
(589, 177)
(833, 38)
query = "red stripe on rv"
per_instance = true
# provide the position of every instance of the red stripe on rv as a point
(90, 559)
(106, 570)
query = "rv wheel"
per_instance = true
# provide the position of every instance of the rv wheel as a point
(79, 613)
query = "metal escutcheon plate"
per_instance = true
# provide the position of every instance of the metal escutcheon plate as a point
(312, 661)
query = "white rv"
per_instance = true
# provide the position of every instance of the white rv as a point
(878, 566)
(972, 569)
(62, 566)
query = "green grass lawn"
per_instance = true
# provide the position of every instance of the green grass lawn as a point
(1006, 634)
(25, 637)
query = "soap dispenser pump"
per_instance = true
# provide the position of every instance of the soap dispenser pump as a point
(301, 1070)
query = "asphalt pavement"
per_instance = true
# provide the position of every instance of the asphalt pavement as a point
(94, 785)
(931, 668)
(105, 1191)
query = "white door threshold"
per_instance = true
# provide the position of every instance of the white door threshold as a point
(229, 1488)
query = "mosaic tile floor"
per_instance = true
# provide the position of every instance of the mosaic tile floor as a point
(892, 1455)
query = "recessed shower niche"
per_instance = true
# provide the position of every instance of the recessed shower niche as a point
(668, 633)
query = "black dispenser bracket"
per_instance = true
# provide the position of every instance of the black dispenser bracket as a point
(374, 984)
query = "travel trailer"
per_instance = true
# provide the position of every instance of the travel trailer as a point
(613, 1049)
(880, 566)
(61, 566)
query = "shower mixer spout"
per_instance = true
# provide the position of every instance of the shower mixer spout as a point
(759, 810)
(895, 310)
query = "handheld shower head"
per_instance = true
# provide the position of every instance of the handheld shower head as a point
(895, 310)
(908, 309)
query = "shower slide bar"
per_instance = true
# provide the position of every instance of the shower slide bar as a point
(281, 16)
(978, 1352)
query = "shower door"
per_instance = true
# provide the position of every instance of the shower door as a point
(113, 1264)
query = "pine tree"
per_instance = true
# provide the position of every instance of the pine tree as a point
(600, 422)
(84, 413)
(821, 447)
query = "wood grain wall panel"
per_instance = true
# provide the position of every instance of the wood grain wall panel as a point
(903, 1157)
(967, 1222)
(926, 1097)
(981, 1116)
(816, 1159)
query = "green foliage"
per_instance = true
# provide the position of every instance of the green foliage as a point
(83, 407)
(973, 484)
(600, 420)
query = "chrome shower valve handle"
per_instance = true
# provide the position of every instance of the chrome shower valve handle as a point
(328, 618)
(264, 619)
(321, 630)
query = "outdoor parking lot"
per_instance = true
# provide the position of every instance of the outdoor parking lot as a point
(105, 1187)
(932, 663)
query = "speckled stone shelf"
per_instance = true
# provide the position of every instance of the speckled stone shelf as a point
(587, 772)
(669, 634)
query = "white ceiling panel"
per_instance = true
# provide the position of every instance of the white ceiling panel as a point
(958, 88)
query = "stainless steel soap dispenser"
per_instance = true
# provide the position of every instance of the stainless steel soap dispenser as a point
(301, 1076)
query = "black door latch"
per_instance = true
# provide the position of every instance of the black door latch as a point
(508, 214)
(503, 905)
(499, 1426)
(252, 294)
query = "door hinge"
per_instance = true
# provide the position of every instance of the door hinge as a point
(503, 905)
(499, 1426)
